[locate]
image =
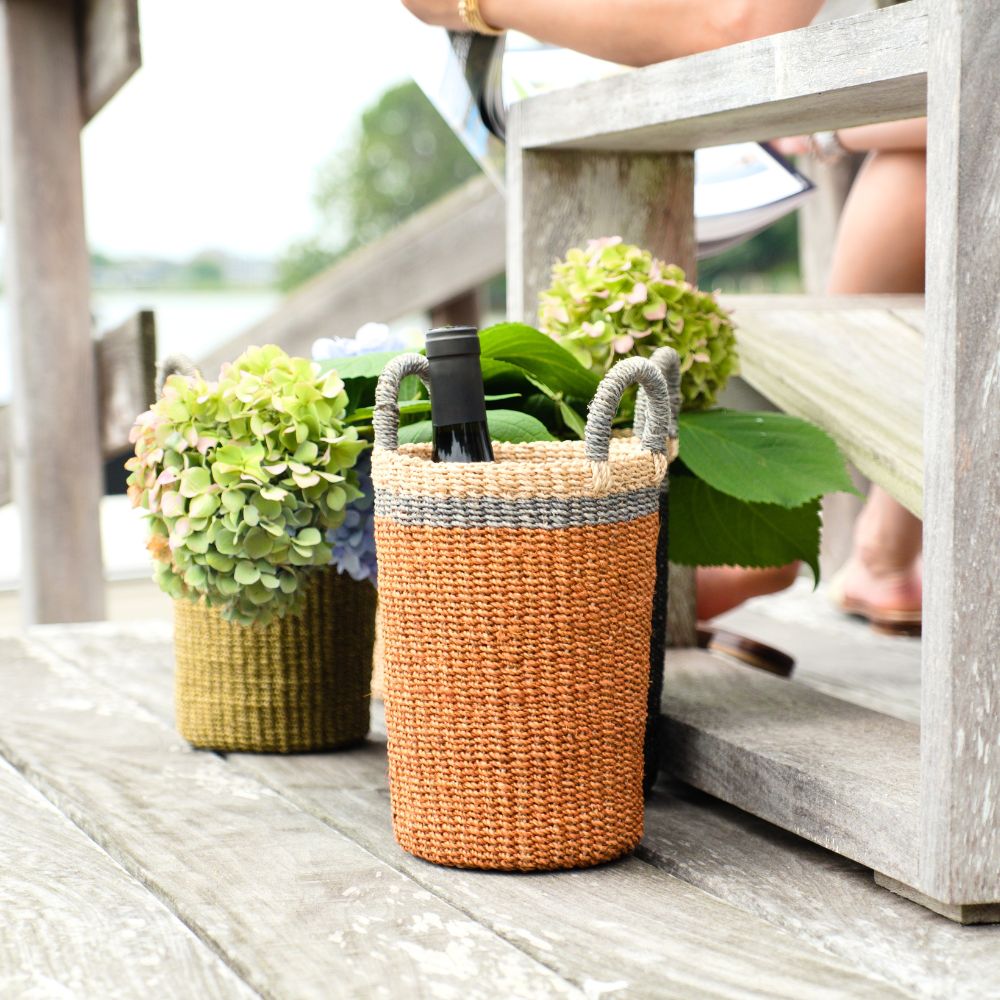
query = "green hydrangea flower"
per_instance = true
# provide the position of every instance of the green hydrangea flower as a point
(242, 478)
(613, 299)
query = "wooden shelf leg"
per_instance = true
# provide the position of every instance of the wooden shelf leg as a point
(56, 448)
(961, 913)
(959, 862)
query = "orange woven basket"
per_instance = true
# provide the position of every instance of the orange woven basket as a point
(516, 597)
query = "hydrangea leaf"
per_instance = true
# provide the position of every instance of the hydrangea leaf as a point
(709, 528)
(540, 356)
(504, 425)
(762, 457)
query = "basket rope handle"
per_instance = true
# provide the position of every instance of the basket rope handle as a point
(174, 364)
(386, 418)
(669, 363)
(658, 420)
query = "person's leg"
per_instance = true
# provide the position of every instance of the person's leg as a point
(880, 249)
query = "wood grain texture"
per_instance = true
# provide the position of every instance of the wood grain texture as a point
(960, 807)
(454, 245)
(125, 363)
(110, 50)
(293, 905)
(559, 200)
(868, 68)
(619, 930)
(854, 369)
(820, 897)
(840, 775)
(53, 378)
(76, 924)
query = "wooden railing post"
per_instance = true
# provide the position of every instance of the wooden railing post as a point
(960, 720)
(559, 199)
(56, 448)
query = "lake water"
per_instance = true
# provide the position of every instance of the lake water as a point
(186, 322)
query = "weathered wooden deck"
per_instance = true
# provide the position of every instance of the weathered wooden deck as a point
(132, 865)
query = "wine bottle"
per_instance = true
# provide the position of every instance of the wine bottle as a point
(458, 403)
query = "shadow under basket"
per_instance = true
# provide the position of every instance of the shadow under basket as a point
(301, 683)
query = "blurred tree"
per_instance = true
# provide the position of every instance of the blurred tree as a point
(402, 157)
(769, 261)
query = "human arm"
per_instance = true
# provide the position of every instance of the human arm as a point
(908, 135)
(632, 32)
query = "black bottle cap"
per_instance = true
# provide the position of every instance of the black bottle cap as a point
(449, 340)
(456, 379)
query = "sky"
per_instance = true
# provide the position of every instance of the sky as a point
(215, 142)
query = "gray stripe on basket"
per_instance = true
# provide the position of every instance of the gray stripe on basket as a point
(533, 512)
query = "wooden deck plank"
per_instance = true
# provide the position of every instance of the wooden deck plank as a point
(818, 896)
(853, 370)
(293, 905)
(624, 929)
(841, 775)
(872, 67)
(76, 924)
(842, 656)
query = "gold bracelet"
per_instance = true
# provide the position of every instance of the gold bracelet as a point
(468, 11)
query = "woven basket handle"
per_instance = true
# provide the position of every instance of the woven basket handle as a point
(174, 364)
(658, 420)
(386, 418)
(669, 363)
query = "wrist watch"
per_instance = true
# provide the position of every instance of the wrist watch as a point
(468, 11)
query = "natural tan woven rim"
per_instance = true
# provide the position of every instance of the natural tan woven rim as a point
(534, 469)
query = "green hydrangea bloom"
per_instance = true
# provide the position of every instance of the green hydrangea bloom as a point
(613, 299)
(242, 478)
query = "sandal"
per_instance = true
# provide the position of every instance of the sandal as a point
(889, 621)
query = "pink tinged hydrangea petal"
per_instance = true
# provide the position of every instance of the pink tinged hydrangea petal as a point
(603, 242)
(656, 311)
(182, 528)
(702, 357)
(172, 504)
(640, 333)
(617, 306)
(593, 329)
(624, 344)
(204, 443)
(167, 476)
(638, 294)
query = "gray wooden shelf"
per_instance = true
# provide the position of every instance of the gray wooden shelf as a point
(796, 757)
(615, 157)
(854, 366)
(852, 71)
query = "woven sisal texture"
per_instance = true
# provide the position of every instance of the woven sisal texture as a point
(300, 683)
(517, 668)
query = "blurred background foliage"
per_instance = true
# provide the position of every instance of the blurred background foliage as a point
(402, 157)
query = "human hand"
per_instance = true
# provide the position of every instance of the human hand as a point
(443, 13)
(793, 145)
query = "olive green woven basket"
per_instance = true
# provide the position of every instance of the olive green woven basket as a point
(300, 683)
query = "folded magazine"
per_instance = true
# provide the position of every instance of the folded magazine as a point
(472, 80)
